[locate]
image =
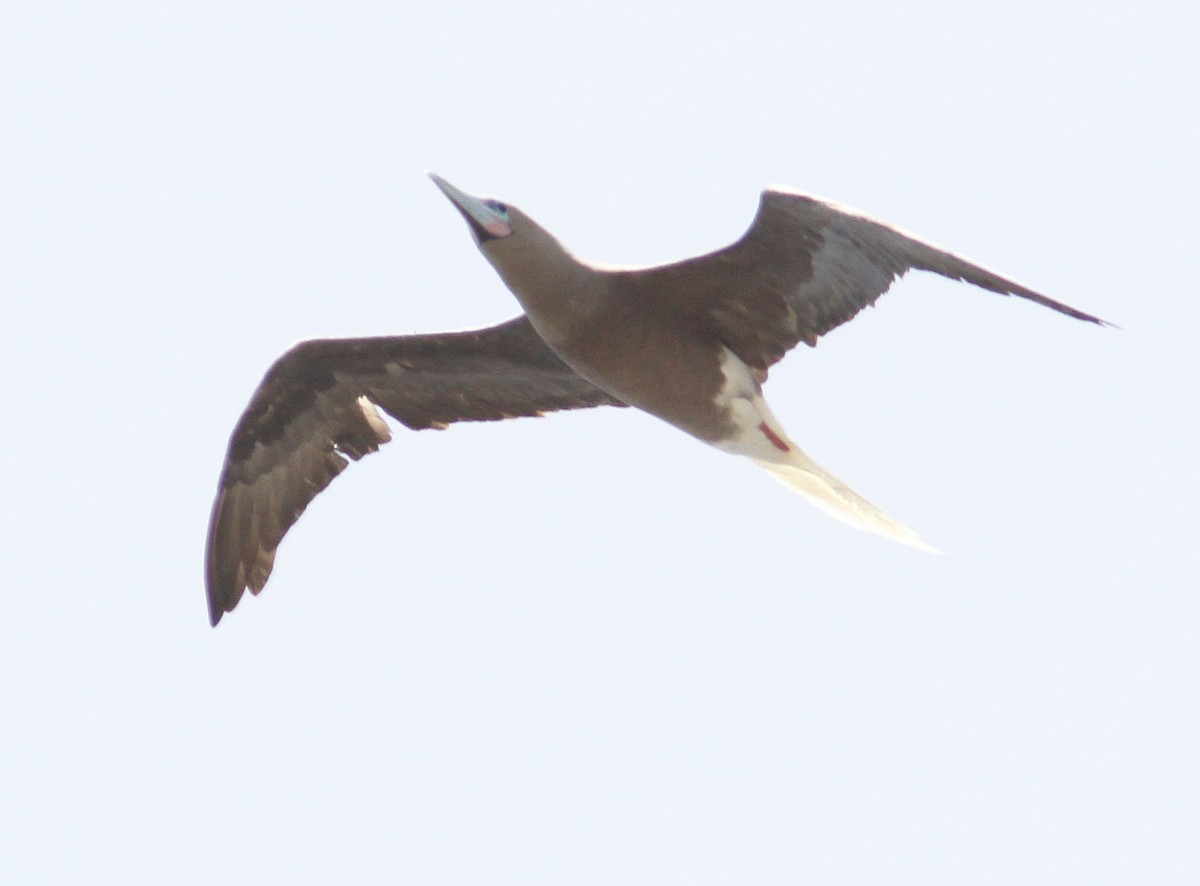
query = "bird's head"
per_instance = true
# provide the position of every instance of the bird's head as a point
(524, 253)
(488, 218)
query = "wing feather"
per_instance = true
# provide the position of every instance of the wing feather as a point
(316, 408)
(804, 267)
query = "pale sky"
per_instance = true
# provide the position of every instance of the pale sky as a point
(588, 649)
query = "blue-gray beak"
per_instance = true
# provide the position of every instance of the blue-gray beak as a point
(488, 218)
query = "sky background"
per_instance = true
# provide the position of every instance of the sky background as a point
(588, 649)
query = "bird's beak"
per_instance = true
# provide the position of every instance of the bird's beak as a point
(485, 221)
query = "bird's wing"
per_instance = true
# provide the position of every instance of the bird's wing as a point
(804, 267)
(316, 407)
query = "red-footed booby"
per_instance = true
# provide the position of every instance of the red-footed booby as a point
(688, 342)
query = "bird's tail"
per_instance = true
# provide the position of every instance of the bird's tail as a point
(837, 499)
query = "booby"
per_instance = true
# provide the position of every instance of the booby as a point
(689, 342)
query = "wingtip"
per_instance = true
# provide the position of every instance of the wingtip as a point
(1086, 317)
(214, 611)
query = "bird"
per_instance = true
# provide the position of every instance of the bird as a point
(689, 342)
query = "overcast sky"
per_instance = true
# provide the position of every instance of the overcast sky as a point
(586, 648)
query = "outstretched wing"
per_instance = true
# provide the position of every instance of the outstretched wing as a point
(805, 267)
(316, 407)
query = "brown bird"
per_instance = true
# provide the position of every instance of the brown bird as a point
(689, 342)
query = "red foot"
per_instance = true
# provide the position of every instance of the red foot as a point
(774, 438)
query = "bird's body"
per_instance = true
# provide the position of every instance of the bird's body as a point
(689, 342)
(620, 349)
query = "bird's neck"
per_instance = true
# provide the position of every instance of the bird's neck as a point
(557, 290)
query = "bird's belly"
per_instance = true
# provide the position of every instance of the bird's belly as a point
(676, 379)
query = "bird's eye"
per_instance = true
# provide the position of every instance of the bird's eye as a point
(497, 207)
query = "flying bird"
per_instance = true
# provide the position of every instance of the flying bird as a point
(688, 342)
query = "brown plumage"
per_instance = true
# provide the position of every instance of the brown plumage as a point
(689, 342)
(308, 416)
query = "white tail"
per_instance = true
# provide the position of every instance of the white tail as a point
(758, 435)
(837, 499)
